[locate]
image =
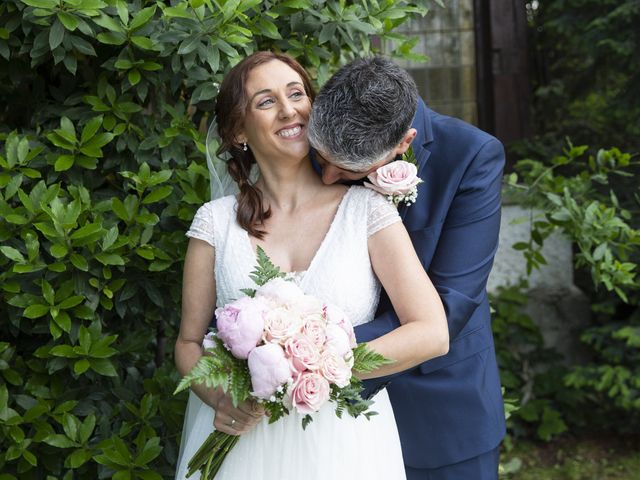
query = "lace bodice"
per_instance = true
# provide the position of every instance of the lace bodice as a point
(340, 272)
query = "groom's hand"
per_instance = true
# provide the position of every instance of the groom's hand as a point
(232, 420)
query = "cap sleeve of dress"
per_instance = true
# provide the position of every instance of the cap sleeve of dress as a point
(381, 214)
(202, 224)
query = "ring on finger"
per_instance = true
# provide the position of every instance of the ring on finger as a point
(233, 421)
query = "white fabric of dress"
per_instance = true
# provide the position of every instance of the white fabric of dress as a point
(340, 272)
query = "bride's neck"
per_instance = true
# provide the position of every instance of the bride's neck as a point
(287, 187)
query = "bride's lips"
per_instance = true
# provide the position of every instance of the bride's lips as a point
(291, 132)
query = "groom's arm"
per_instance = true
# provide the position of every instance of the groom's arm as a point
(464, 255)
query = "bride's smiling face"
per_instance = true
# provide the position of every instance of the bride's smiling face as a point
(275, 122)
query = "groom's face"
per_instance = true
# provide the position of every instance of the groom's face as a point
(331, 173)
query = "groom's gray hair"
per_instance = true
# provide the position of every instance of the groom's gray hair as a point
(363, 112)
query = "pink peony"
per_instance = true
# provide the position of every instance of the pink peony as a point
(309, 392)
(394, 178)
(240, 325)
(302, 353)
(308, 305)
(269, 370)
(280, 291)
(335, 369)
(280, 324)
(336, 316)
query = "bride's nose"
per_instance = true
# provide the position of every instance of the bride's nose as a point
(287, 110)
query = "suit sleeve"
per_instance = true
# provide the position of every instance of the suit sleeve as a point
(468, 241)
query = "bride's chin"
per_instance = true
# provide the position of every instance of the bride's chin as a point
(297, 152)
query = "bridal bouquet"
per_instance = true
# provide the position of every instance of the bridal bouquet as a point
(285, 349)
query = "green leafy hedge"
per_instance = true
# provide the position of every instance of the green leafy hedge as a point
(593, 198)
(585, 73)
(103, 109)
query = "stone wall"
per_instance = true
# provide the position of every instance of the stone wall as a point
(555, 303)
(447, 81)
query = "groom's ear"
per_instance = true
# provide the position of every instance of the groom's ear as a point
(405, 143)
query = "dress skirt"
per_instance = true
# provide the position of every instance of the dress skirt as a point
(330, 448)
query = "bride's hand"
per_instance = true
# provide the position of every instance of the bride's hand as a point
(236, 421)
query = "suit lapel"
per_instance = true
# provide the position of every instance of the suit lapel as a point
(421, 151)
(422, 156)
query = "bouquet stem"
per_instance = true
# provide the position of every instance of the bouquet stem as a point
(209, 457)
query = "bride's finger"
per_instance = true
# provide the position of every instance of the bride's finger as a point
(253, 409)
(227, 424)
(244, 413)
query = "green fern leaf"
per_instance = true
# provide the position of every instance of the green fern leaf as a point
(219, 368)
(306, 421)
(366, 360)
(265, 270)
(409, 156)
(249, 292)
(240, 383)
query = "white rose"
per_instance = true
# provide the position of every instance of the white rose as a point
(280, 324)
(280, 291)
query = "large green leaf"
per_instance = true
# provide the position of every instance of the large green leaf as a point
(56, 34)
(60, 441)
(69, 20)
(36, 311)
(141, 18)
(12, 254)
(41, 3)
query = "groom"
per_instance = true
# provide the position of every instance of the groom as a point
(449, 410)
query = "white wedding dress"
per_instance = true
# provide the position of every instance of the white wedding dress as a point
(330, 448)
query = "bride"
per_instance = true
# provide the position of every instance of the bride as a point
(339, 243)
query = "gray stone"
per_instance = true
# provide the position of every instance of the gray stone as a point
(510, 265)
(556, 305)
(561, 315)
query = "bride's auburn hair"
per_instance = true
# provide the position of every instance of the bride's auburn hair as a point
(231, 106)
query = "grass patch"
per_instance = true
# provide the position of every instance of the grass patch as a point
(570, 458)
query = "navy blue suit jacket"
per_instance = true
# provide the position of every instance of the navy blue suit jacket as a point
(450, 408)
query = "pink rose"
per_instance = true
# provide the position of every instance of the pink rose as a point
(397, 177)
(240, 325)
(309, 392)
(280, 324)
(208, 342)
(335, 369)
(302, 353)
(336, 316)
(269, 370)
(315, 329)
(338, 340)
(280, 291)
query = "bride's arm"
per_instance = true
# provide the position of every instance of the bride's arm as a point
(198, 305)
(423, 333)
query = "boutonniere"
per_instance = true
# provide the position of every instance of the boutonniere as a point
(397, 180)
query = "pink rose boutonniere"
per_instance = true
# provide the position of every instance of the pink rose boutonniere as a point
(397, 180)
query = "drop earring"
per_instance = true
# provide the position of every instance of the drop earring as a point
(244, 146)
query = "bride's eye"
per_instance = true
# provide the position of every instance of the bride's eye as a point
(265, 102)
(297, 95)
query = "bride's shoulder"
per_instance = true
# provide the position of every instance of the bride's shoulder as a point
(219, 204)
(368, 196)
(219, 209)
(211, 217)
